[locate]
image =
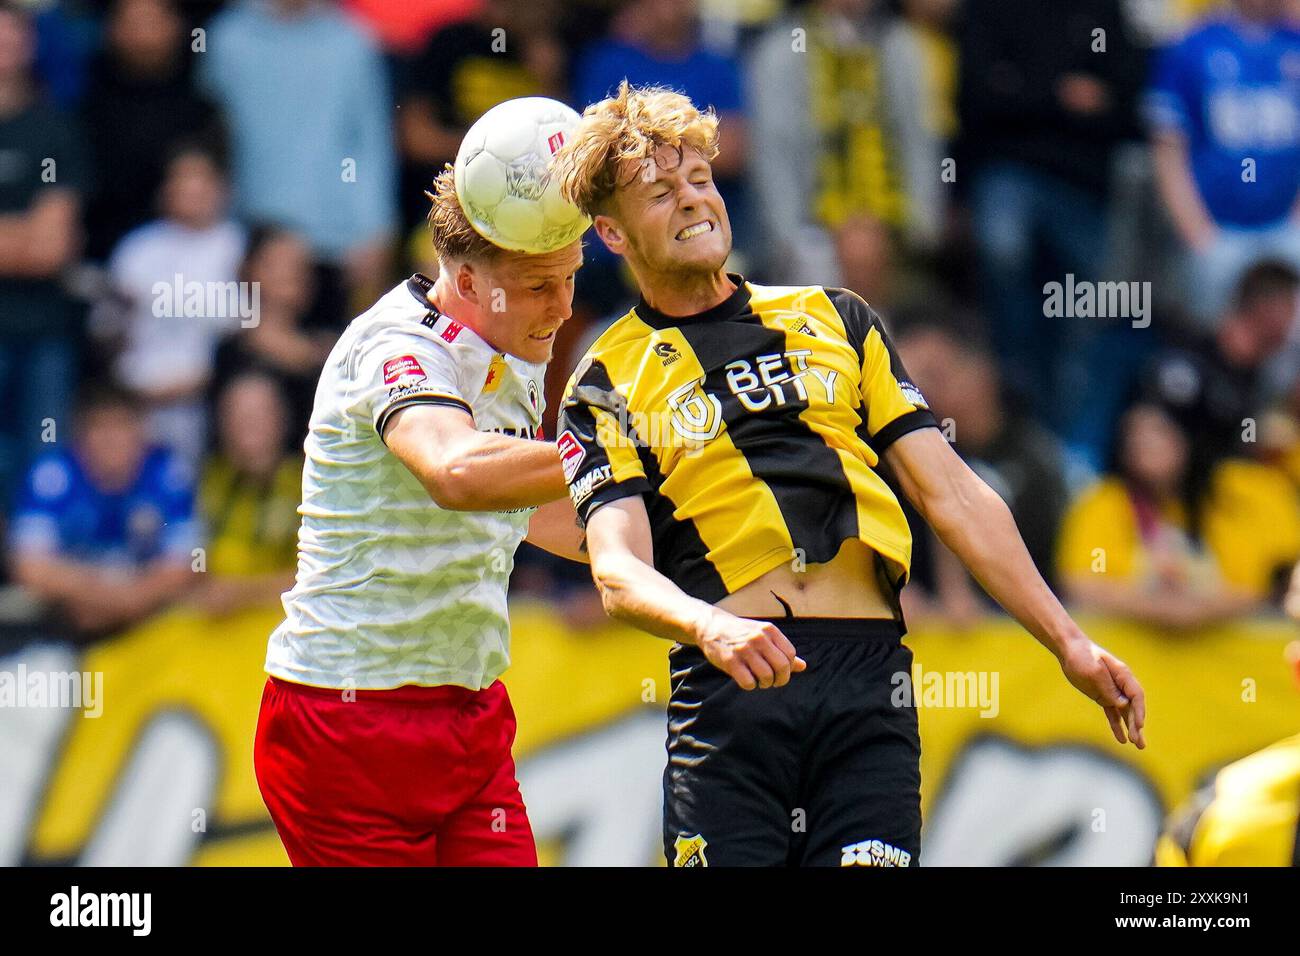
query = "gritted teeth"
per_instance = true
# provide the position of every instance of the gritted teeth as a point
(695, 230)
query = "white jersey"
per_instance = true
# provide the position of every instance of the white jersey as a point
(391, 588)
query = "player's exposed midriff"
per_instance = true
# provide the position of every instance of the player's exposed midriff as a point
(845, 586)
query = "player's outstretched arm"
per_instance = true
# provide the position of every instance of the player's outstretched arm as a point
(554, 527)
(754, 653)
(464, 469)
(977, 526)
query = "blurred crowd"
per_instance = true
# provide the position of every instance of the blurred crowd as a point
(1080, 219)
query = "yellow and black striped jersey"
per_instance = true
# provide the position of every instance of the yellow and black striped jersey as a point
(1248, 816)
(752, 430)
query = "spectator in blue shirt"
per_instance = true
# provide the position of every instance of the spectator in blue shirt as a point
(105, 533)
(1224, 111)
(657, 43)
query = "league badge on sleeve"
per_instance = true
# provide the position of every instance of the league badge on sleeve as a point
(571, 453)
(913, 394)
(404, 370)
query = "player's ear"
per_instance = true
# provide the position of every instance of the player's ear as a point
(466, 278)
(611, 234)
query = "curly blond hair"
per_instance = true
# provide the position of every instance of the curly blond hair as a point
(628, 126)
(454, 239)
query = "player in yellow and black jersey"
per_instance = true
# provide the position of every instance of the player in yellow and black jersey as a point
(721, 442)
(1249, 814)
(810, 392)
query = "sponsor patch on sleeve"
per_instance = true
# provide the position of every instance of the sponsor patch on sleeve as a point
(582, 489)
(404, 369)
(571, 453)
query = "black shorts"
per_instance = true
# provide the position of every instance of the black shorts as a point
(822, 772)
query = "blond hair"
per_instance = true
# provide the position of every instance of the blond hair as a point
(454, 239)
(629, 126)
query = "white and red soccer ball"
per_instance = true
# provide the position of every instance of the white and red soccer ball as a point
(504, 176)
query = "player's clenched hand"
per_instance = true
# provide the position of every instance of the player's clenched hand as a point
(1106, 679)
(753, 653)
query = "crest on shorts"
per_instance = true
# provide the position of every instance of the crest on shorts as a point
(690, 851)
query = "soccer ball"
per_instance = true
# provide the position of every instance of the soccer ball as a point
(503, 176)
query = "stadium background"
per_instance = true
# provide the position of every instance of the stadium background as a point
(948, 159)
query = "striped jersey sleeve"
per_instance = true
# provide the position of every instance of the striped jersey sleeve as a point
(599, 449)
(892, 403)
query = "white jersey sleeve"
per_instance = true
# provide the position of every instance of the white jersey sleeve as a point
(399, 369)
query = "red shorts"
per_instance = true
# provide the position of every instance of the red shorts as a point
(416, 776)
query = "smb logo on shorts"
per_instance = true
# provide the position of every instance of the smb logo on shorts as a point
(874, 853)
(690, 851)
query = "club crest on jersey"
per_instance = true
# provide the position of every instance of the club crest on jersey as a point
(554, 142)
(690, 851)
(451, 331)
(571, 453)
(404, 370)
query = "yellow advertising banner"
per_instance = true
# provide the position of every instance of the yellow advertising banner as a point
(1017, 767)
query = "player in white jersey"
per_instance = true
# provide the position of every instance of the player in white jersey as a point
(384, 734)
